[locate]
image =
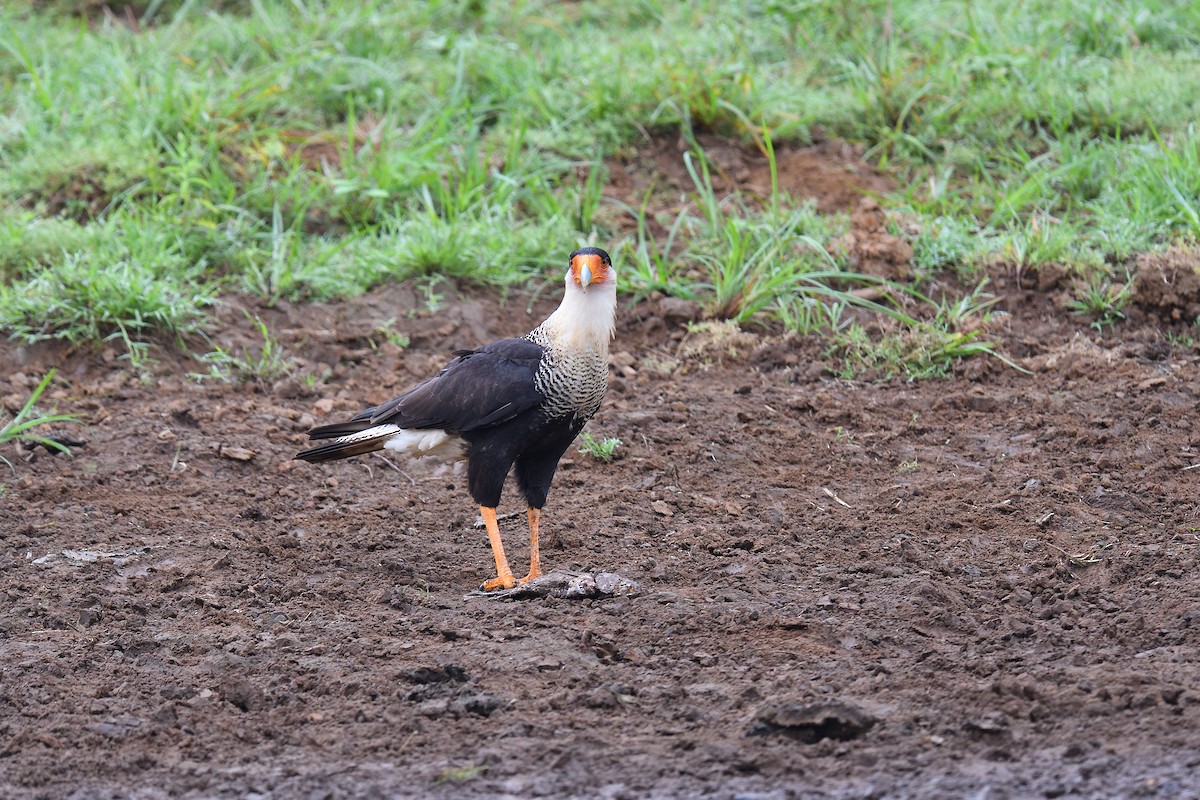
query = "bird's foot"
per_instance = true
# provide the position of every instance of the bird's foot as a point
(533, 575)
(499, 582)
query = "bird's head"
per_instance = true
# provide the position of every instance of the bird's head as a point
(591, 267)
(587, 314)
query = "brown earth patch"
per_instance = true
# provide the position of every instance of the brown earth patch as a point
(830, 172)
(1166, 286)
(872, 248)
(322, 151)
(129, 14)
(978, 587)
(81, 195)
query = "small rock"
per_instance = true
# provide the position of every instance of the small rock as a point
(569, 586)
(120, 726)
(811, 722)
(434, 709)
(608, 582)
(235, 453)
(444, 673)
(481, 705)
(165, 715)
(622, 359)
(677, 311)
(988, 726)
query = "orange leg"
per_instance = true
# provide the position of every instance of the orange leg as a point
(535, 561)
(504, 578)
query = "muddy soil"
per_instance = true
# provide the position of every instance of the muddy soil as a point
(980, 587)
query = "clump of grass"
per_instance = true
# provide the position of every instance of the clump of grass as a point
(919, 347)
(29, 242)
(711, 96)
(745, 263)
(85, 298)
(18, 428)
(604, 450)
(461, 774)
(945, 243)
(265, 367)
(808, 314)
(735, 259)
(1040, 240)
(920, 352)
(386, 332)
(1102, 299)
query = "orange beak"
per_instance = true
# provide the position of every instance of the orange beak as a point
(588, 269)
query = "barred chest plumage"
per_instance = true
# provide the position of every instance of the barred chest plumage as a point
(572, 379)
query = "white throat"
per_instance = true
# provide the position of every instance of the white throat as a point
(585, 320)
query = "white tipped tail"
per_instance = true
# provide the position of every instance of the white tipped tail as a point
(351, 444)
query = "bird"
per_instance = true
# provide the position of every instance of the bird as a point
(512, 405)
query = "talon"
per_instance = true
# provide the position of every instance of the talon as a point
(499, 582)
(534, 574)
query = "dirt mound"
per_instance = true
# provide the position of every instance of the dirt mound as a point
(1166, 287)
(872, 248)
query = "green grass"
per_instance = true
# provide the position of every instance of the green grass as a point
(736, 259)
(28, 417)
(1100, 300)
(604, 450)
(313, 150)
(124, 282)
(264, 365)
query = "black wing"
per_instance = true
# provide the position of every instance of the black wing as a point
(478, 388)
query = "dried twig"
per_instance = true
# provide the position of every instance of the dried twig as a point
(391, 464)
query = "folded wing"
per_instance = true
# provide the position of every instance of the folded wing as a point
(479, 388)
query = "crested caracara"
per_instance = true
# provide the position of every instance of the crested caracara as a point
(515, 402)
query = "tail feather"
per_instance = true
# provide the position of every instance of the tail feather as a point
(339, 429)
(353, 439)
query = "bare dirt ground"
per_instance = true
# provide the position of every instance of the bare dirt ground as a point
(982, 587)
